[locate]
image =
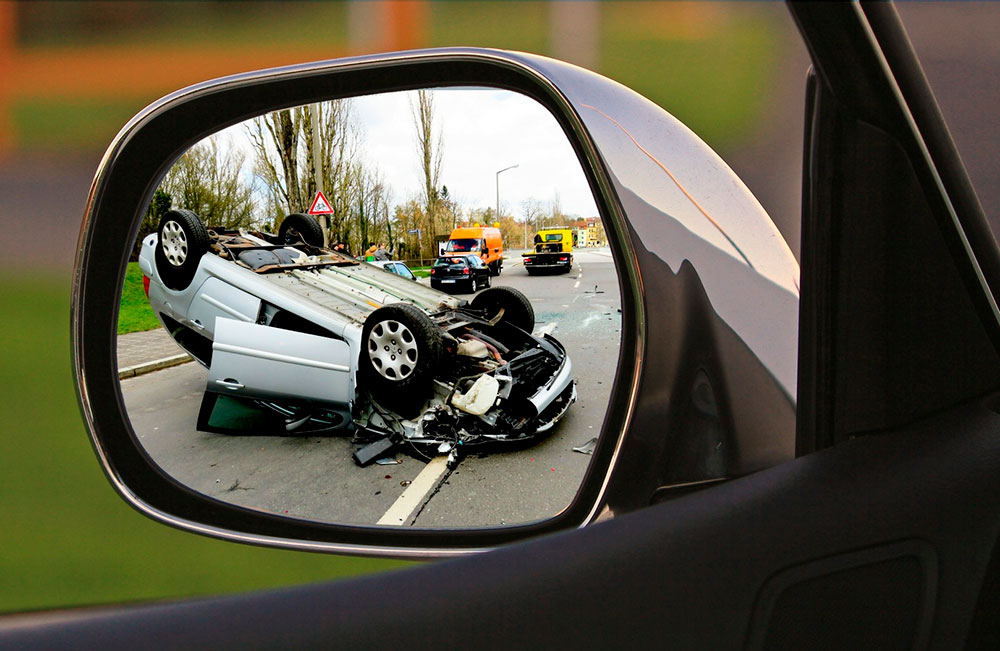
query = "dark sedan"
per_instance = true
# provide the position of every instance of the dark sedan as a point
(458, 273)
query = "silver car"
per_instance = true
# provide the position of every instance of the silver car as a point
(323, 342)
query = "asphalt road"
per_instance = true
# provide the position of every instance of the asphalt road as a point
(316, 478)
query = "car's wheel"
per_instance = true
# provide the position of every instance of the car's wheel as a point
(531, 272)
(401, 352)
(517, 310)
(299, 227)
(181, 241)
(489, 281)
(473, 285)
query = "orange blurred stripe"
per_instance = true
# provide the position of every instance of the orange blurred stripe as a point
(6, 72)
(407, 24)
(118, 71)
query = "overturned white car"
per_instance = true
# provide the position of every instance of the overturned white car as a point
(323, 343)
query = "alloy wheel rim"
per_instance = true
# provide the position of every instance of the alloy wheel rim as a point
(392, 349)
(174, 243)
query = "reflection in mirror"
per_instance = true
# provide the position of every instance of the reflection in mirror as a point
(398, 309)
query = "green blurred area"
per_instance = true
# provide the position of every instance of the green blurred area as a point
(74, 124)
(55, 25)
(134, 313)
(714, 76)
(716, 84)
(67, 538)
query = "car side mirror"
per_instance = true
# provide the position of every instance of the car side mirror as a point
(703, 382)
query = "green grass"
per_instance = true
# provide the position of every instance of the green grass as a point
(67, 539)
(134, 314)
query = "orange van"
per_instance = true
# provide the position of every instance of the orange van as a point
(484, 240)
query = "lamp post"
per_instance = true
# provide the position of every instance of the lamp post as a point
(498, 187)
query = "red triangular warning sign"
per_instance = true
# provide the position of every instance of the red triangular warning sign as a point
(320, 205)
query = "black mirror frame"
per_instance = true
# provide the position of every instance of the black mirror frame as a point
(129, 173)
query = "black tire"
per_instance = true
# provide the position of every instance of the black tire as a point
(494, 268)
(299, 227)
(400, 354)
(489, 282)
(517, 310)
(181, 240)
(473, 285)
(531, 272)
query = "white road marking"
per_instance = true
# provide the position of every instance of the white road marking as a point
(546, 329)
(414, 495)
(577, 284)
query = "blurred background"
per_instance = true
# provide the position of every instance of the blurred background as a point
(71, 74)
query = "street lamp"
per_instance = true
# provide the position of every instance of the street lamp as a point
(498, 187)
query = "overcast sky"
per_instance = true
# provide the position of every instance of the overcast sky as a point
(484, 130)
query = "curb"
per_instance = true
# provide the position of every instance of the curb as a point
(155, 365)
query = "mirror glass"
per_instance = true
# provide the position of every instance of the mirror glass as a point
(395, 310)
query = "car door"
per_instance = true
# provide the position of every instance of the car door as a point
(880, 534)
(256, 361)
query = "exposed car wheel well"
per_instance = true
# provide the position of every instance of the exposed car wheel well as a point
(290, 321)
(199, 346)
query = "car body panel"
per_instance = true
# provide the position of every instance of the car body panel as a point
(251, 360)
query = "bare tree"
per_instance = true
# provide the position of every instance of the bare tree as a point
(284, 162)
(275, 137)
(531, 211)
(430, 150)
(208, 180)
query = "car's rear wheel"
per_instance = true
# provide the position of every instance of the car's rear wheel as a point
(299, 227)
(181, 241)
(516, 307)
(473, 285)
(401, 352)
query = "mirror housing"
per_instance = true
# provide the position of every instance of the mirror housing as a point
(705, 383)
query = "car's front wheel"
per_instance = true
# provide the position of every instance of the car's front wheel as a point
(401, 352)
(181, 241)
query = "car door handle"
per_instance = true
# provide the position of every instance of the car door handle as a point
(229, 383)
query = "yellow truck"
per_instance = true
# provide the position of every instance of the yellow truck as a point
(553, 251)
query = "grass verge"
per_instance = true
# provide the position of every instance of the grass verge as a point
(134, 313)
